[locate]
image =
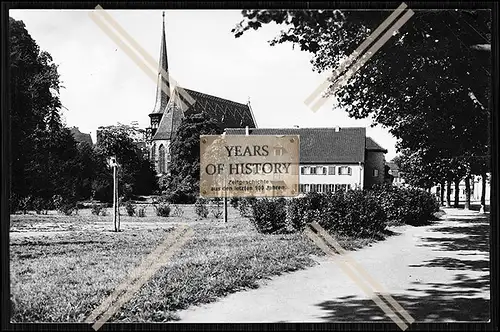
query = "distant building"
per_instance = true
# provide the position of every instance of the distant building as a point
(169, 110)
(398, 179)
(332, 158)
(80, 137)
(476, 187)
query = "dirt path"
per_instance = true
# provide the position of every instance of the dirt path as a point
(437, 273)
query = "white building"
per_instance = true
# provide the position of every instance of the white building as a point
(332, 158)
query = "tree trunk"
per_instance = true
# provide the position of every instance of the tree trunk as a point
(457, 193)
(448, 193)
(441, 193)
(467, 192)
(483, 189)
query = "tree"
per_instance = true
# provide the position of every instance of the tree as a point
(43, 151)
(428, 85)
(182, 184)
(136, 175)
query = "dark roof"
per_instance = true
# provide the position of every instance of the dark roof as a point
(162, 98)
(80, 137)
(170, 121)
(320, 145)
(392, 165)
(371, 145)
(225, 112)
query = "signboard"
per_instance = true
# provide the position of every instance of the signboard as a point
(249, 165)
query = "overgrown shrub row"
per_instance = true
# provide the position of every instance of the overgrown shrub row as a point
(357, 213)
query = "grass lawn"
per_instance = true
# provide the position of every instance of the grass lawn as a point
(63, 267)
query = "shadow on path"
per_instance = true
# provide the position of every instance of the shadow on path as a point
(462, 247)
(436, 303)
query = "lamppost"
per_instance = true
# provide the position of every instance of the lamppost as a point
(116, 213)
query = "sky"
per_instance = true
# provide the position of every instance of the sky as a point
(103, 86)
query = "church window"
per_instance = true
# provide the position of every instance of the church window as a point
(153, 153)
(161, 159)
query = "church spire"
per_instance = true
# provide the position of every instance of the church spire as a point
(162, 97)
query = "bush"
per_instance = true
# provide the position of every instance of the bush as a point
(351, 213)
(269, 215)
(296, 213)
(234, 202)
(130, 208)
(163, 209)
(177, 211)
(245, 206)
(216, 208)
(64, 206)
(41, 205)
(68, 208)
(97, 209)
(200, 207)
(355, 213)
(406, 205)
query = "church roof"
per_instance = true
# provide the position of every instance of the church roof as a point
(162, 81)
(321, 145)
(226, 113)
(171, 119)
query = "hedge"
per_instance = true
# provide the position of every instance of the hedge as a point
(357, 213)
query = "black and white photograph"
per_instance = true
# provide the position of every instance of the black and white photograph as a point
(306, 165)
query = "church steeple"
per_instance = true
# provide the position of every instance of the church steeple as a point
(162, 84)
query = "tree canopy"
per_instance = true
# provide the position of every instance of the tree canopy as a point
(49, 169)
(182, 184)
(429, 85)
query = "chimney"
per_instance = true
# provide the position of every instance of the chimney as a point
(337, 129)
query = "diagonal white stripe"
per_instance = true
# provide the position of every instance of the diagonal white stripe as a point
(147, 57)
(346, 269)
(372, 281)
(356, 53)
(367, 56)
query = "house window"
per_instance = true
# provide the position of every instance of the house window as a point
(312, 170)
(331, 170)
(167, 152)
(345, 170)
(278, 151)
(306, 188)
(375, 172)
(302, 170)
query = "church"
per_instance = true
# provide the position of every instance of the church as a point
(169, 110)
(330, 158)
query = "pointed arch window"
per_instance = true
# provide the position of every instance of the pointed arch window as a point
(153, 153)
(161, 159)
